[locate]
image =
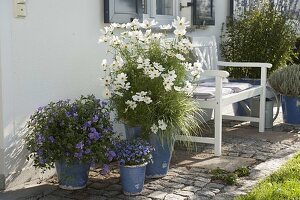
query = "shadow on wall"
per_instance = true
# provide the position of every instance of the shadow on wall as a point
(18, 169)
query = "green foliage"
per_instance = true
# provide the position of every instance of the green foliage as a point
(296, 53)
(242, 171)
(75, 132)
(230, 178)
(260, 35)
(286, 80)
(283, 184)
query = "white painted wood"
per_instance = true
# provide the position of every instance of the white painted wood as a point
(206, 140)
(205, 48)
(241, 118)
(244, 64)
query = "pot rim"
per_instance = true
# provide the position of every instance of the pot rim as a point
(133, 166)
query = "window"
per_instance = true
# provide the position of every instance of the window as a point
(203, 12)
(122, 11)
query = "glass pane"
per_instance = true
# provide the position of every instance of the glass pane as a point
(128, 6)
(164, 7)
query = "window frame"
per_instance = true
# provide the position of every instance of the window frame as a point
(161, 19)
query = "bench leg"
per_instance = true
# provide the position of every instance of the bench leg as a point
(262, 115)
(218, 131)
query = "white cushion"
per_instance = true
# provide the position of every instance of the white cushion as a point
(202, 92)
(235, 86)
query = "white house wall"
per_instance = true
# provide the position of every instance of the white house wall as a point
(51, 54)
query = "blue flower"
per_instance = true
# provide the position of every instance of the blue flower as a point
(41, 161)
(78, 155)
(88, 151)
(51, 139)
(79, 145)
(110, 155)
(39, 152)
(94, 135)
(105, 169)
(40, 139)
(95, 118)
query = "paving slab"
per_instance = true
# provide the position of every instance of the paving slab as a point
(198, 160)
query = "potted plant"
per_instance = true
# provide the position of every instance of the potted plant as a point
(286, 81)
(146, 82)
(71, 136)
(133, 156)
(265, 33)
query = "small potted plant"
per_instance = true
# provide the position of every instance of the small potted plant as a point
(133, 156)
(71, 136)
(286, 81)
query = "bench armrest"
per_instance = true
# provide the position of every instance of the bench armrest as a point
(218, 73)
(244, 64)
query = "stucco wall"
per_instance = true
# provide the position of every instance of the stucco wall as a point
(49, 55)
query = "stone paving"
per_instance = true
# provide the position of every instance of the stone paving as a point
(188, 177)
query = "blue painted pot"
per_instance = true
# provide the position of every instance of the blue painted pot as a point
(133, 178)
(161, 157)
(291, 109)
(132, 132)
(72, 176)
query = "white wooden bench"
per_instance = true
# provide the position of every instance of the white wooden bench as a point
(205, 49)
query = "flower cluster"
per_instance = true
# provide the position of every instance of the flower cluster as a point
(136, 152)
(149, 74)
(79, 131)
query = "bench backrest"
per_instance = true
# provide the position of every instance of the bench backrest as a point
(205, 50)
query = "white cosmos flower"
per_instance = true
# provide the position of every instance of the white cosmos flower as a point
(188, 66)
(107, 80)
(165, 27)
(104, 64)
(147, 100)
(177, 88)
(162, 125)
(158, 66)
(180, 32)
(140, 60)
(180, 57)
(198, 66)
(131, 104)
(154, 128)
(180, 23)
(107, 93)
(148, 24)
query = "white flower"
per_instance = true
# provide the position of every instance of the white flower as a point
(162, 125)
(147, 100)
(148, 24)
(153, 73)
(178, 89)
(180, 23)
(165, 27)
(107, 80)
(180, 57)
(131, 104)
(104, 64)
(188, 66)
(188, 88)
(120, 62)
(198, 66)
(180, 32)
(107, 93)
(154, 128)
(140, 60)
(158, 66)
(137, 98)
(122, 77)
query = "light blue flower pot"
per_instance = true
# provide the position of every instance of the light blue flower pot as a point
(161, 157)
(133, 178)
(132, 132)
(73, 176)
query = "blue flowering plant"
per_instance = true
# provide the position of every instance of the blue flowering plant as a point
(79, 131)
(135, 152)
